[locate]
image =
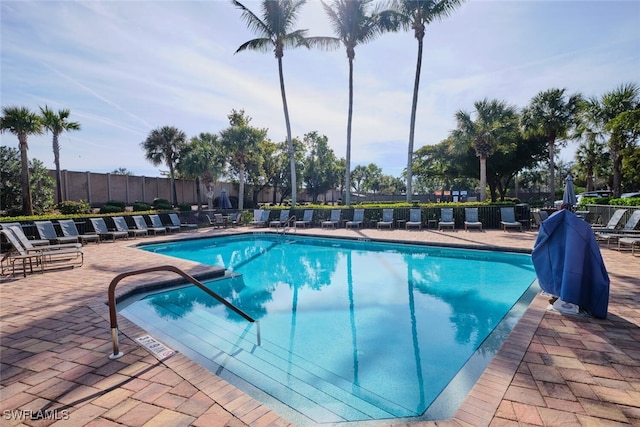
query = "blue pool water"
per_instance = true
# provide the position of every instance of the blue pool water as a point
(350, 330)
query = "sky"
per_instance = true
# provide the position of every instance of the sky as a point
(124, 68)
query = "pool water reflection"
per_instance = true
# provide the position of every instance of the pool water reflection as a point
(350, 330)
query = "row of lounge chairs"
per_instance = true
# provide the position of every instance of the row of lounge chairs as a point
(25, 254)
(626, 236)
(446, 222)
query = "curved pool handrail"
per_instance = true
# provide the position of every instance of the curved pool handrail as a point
(113, 316)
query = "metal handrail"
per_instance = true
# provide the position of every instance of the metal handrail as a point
(113, 318)
(287, 223)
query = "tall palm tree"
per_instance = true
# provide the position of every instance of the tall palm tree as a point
(355, 23)
(552, 114)
(57, 123)
(238, 141)
(274, 30)
(22, 122)
(416, 15)
(163, 145)
(493, 128)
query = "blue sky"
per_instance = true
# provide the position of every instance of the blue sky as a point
(124, 68)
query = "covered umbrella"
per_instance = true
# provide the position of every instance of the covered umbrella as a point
(569, 199)
(223, 201)
(569, 265)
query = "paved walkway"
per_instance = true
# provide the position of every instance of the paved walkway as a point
(553, 370)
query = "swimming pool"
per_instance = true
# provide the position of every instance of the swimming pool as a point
(350, 330)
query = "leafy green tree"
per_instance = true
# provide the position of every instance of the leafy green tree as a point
(415, 15)
(22, 122)
(260, 167)
(552, 114)
(275, 32)
(373, 175)
(238, 141)
(354, 23)
(42, 188)
(630, 168)
(202, 158)
(57, 123)
(321, 172)
(493, 129)
(10, 180)
(163, 145)
(41, 184)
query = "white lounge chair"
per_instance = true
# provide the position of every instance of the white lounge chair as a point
(260, 217)
(387, 219)
(446, 219)
(100, 227)
(508, 219)
(471, 219)
(334, 219)
(175, 221)
(415, 219)
(69, 229)
(47, 231)
(613, 222)
(121, 225)
(156, 222)
(141, 224)
(358, 219)
(307, 218)
(34, 242)
(282, 220)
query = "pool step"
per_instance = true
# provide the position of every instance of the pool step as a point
(301, 384)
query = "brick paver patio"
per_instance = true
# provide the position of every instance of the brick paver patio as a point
(554, 369)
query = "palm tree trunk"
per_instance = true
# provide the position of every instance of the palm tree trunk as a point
(294, 185)
(412, 126)
(27, 206)
(198, 193)
(241, 187)
(347, 176)
(173, 185)
(483, 178)
(56, 162)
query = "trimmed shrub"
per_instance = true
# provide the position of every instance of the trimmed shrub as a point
(107, 209)
(71, 207)
(162, 205)
(184, 207)
(139, 206)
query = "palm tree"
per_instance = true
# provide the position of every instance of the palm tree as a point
(493, 128)
(354, 24)
(238, 141)
(57, 123)
(22, 122)
(553, 115)
(590, 160)
(202, 158)
(278, 16)
(416, 15)
(163, 145)
(617, 114)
